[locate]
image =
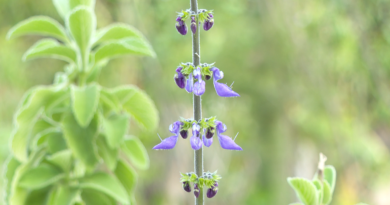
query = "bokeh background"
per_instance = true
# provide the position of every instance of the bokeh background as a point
(314, 76)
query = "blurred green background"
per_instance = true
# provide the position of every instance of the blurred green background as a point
(314, 76)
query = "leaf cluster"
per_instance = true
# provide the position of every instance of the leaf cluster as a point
(71, 142)
(207, 180)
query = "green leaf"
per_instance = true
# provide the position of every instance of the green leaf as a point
(136, 152)
(37, 197)
(330, 176)
(75, 3)
(108, 155)
(82, 24)
(51, 49)
(62, 7)
(320, 189)
(128, 46)
(18, 195)
(327, 194)
(85, 102)
(25, 118)
(139, 105)
(109, 100)
(115, 128)
(127, 176)
(107, 184)
(81, 140)
(11, 166)
(55, 142)
(40, 25)
(62, 159)
(40, 177)
(92, 197)
(62, 195)
(117, 31)
(305, 190)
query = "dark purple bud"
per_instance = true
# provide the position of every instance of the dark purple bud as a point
(186, 186)
(210, 132)
(180, 81)
(193, 24)
(212, 191)
(181, 28)
(196, 190)
(207, 77)
(208, 24)
(184, 134)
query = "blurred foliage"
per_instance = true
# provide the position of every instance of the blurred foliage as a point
(313, 77)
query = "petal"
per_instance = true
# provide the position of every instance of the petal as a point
(217, 74)
(196, 143)
(197, 73)
(199, 87)
(224, 90)
(227, 143)
(175, 127)
(221, 128)
(167, 143)
(190, 83)
(207, 142)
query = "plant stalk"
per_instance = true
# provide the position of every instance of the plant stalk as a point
(198, 157)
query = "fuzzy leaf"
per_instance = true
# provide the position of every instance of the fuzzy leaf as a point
(39, 25)
(51, 49)
(330, 176)
(305, 190)
(127, 176)
(136, 152)
(117, 31)
(327, 194)
(109, 100)
(82, 24)
(139, 105)
(65, 6)
(62, 159)
(11, 166)
(25, 118)
(107, 184)
(128, 46)
(85, 102)
(37, 197)
(108, 155)
(55, 142)
(62, 195)
(40, 177)
(115, 128)
(81, 139)
(93, 197)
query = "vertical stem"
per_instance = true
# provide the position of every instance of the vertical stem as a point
(198, 158)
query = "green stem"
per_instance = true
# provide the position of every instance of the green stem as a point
(198, 158)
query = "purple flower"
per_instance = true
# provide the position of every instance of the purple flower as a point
(193, 24)
(179, 78)
(208, 23)
(225, 141)
(222, 90)
(200, 85)
(184, 134)
(207, 141)
(196, 190)
(210, 132)
(211, 192)
(181, 26)
(186, 186)
(170, 142)
(190, 83)
(196, 141)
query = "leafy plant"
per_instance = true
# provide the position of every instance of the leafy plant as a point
(70, 143)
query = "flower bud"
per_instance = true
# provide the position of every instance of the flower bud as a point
(212, 191)
(193, 24)
(184, 134)
(208, 23)
(207, 77)
(186, 186)
(180, 80)
(182, 29)
(196, 190)
(210, 132)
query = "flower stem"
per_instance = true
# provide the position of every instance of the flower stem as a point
(198, 158)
